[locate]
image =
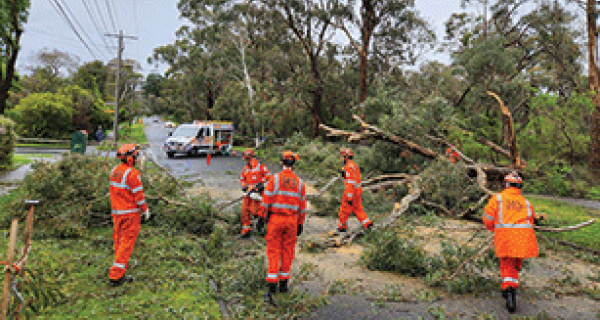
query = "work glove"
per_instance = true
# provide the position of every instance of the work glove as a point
(342, 173)
(349, 202)
(147, 215)
(260, 187)
(244, 189)
(299, 230)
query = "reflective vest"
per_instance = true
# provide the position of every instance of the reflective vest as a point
(126, 191)
(254, 174)
(352, 180)
(285, 194)
(510, 216)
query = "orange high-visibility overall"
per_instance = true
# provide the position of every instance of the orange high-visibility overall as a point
(510, 216)
(127, 202)
(285, 200)
(352, 193)
(251, 176)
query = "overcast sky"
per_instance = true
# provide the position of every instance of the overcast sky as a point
(153, 21)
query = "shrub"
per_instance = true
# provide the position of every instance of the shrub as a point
(44, 115)
(7, 143)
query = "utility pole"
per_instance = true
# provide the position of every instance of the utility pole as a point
(120, 49)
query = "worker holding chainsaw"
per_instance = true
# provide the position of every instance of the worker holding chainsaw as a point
(283, 208)
(127, 204)
(351, 201)
(511, 217)
(253, 179)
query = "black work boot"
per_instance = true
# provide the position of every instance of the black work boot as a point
(124, 279)
(342, 230)
(283, 286)
(270, 295)
(511, 299)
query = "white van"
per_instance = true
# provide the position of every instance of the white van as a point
(200, 137)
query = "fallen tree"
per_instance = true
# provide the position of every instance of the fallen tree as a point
(372, 132)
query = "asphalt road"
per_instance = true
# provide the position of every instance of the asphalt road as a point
(223, 172)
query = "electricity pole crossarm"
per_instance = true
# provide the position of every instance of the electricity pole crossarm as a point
(120, 37)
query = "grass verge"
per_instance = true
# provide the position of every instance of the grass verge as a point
(561, 214)
(23, 159)
(43, 145)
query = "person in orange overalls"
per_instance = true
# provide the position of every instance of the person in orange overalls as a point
(511, 217)
(127, 202)
(283, 207)
(351, 201)
(253, 177)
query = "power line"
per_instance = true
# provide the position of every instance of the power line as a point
(63, 14)
(95, 23)
(100, 14)
(74, 18)
(110, 15)
(114, 7)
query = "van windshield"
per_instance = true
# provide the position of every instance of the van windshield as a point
(185, 132)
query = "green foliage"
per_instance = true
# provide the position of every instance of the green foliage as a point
(39, 292)
(93, 76)
(57, 115)
(44, 115)
(13, 16)
(400, 251)
(449, 185)
(556, 129)
(89, 109)
(74, 198)
(7, 143)
(392, 253)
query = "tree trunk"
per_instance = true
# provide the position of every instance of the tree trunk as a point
(363, 79)
(594, 85)
(12, 52)
(368, 26)
(316, 111)
(3, 99)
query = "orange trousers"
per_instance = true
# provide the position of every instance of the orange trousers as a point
(249, 209)
(509, 270)
(125, 231)
(281, 244)
(356, 207)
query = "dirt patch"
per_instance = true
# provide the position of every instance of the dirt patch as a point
(358, 293)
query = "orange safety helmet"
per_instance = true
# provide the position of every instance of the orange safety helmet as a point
(289, 158)
(249, 153)
(347, 152)
(513, 180)
(128, 153)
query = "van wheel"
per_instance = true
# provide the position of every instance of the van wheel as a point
(170, 154)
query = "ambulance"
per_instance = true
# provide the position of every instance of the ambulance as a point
(200, 137)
